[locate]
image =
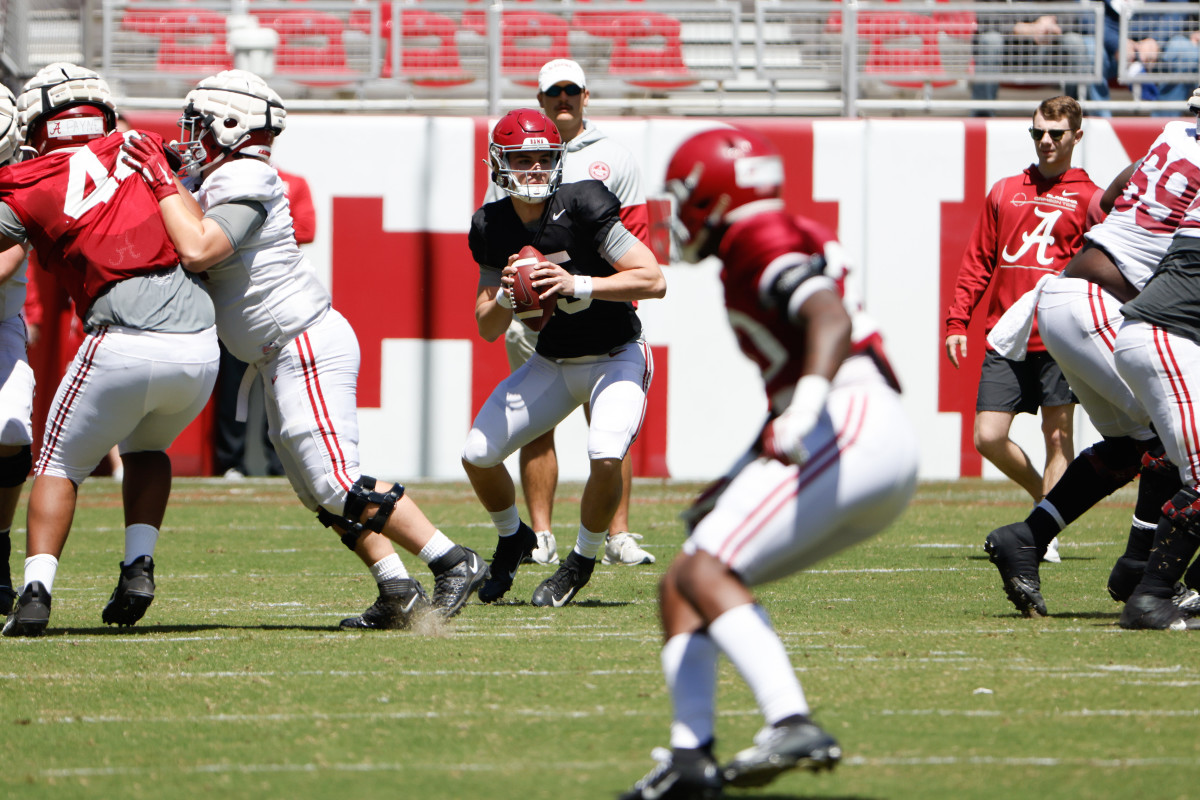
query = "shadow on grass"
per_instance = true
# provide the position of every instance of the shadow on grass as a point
(750, 793)
(142, 630)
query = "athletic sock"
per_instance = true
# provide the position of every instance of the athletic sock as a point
(387, 568)
(588, 543)
(689, 664)
(745, 636)
(507, 522)
(6, 553)
(437, 546)
(140, 540)
(42, 567)
(1172, 552)
(1085, 482)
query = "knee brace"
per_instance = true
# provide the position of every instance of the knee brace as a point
(1116, 460)
(14, 469)
(361, 495)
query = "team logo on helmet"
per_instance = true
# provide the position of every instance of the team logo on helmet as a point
(525, 130)
(64, 105)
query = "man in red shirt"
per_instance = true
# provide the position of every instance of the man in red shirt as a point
(1031, 225)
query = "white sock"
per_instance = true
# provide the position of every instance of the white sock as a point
(588, 543)
(435, 548)
(745, 636)
(388, 567)
(42, 567)
(507, 521)
(140, 540)
(689, 663)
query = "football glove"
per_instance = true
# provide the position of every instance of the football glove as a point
(150, 162)
(783, 437)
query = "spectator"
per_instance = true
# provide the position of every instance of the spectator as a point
(1158, 42)
(591, 350)
(590, 155)
(1029, 43)
(1030, 226)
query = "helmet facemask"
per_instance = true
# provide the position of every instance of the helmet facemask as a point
(516, 182)
(231, 112)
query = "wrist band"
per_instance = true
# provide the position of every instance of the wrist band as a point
(503, 299)
(583, 287)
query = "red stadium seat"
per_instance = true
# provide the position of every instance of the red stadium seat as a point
(646, 46)
(428, 49)
(310, 43)
(531, 38)
(189, 39)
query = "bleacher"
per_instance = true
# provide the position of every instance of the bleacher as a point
(848, 58)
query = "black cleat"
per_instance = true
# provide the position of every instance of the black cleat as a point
(400, 601)
(32, 612)
(680, 775)
(1153, 613)
(510, 552)
(7, 598)
(454, 584)
(778, 749)
(567, 580)
(1012, 549)
(133, 595)
(1125, 576)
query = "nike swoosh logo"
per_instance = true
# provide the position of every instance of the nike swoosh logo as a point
(559, 214)
(1069, 194)
(655, 792)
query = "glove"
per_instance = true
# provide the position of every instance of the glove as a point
(782, 438)
(150, 162)
(1183, 510)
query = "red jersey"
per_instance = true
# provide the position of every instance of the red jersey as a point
(89, 217)
(772, 261)
(304, 213)
(1030, 226)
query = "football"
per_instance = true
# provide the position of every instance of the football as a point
(533, 312)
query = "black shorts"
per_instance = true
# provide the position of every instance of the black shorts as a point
(1021, 386)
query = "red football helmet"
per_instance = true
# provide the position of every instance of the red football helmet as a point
(525, 129)
(716, 178)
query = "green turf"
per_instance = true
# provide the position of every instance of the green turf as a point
(237, 684)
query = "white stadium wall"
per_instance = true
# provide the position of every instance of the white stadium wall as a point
(394, 198)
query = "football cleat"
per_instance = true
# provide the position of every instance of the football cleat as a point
(133, 595)
(1150, 612)
(7, 598)
(690, 774)
(546, 551)
(561, 587)
(400, 601)
(1187, 600)
(32, 612)
(510, 552)
(778, 749)
(624, 549)
(452, 586)
(1012, 549)
(1051, 555)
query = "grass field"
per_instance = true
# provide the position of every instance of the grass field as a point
(238, 683)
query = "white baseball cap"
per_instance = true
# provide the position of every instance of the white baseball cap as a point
(559, 70)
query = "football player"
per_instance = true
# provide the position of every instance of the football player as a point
(1158, 355)
(835, 463)
(1078, 315)
(149, 355)
(274, 314)
(16, 390)
(591, 350)
(588, 154)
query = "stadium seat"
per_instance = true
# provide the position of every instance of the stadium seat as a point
(190, 40)
(310, 43)
(531, 38)
(428, 48)
(646, 46)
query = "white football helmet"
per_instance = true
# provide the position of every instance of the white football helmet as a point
(234, 111)
(10, 138)
(76, 97)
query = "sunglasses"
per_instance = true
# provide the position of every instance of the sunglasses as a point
(1055, 135)
(571, 89)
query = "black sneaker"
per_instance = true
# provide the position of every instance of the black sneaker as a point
(453, 583)
(1153, 613)
(510, 552)
(680, 775)
(7, 598)
(31, 613)
(1014, 553)
(400, 601)
(133, 595)
(567, 580)
(778, 749)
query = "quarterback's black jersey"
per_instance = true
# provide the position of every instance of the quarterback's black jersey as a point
(575, 223)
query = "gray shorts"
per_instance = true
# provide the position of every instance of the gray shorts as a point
(1021, 386)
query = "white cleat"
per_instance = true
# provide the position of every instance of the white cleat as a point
(1052, 555)
(624, 549)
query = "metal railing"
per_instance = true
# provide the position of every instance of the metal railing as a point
(671, 56)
